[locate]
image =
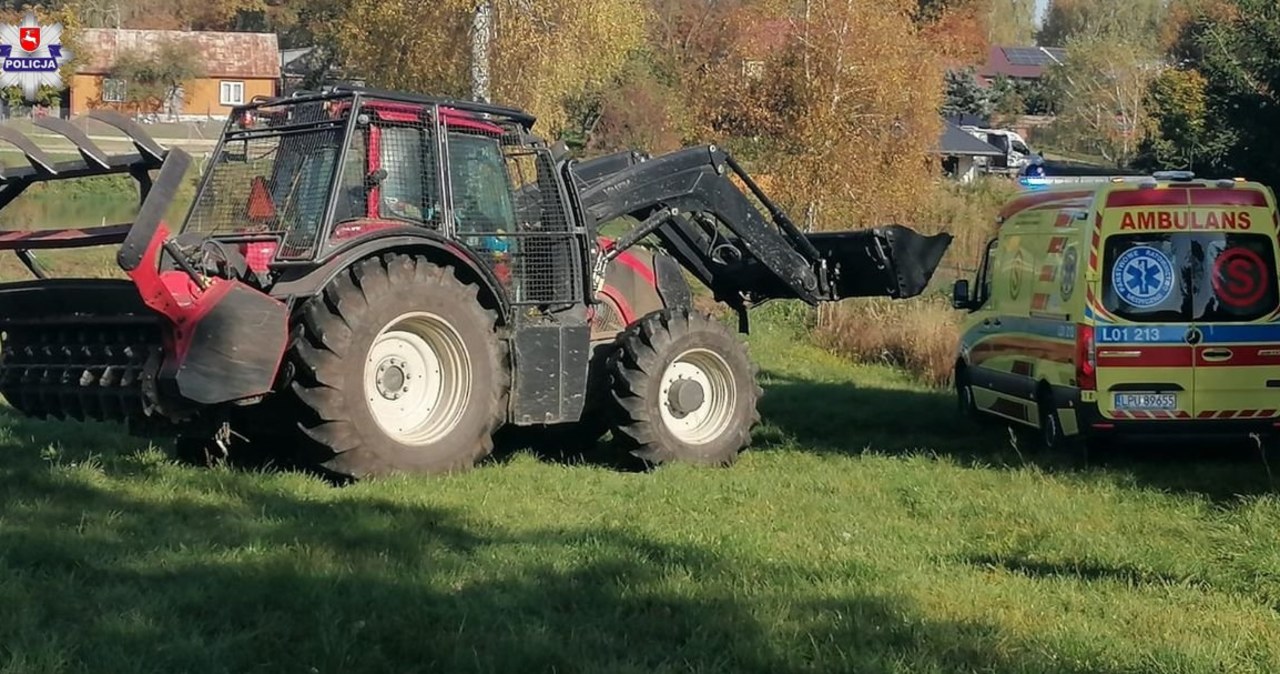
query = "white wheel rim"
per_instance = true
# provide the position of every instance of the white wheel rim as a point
(417, 378)
(715, 398)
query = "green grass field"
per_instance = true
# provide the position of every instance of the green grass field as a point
(868, 530)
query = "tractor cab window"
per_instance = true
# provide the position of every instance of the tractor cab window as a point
(390, 173)
(482, 201)
(269, 183)
(353, 196)
(407, 189)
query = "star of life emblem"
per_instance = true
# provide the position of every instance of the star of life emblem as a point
(31, 55)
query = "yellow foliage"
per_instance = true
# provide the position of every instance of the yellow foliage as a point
(863, 92)
(405, 44)
(546, 50)
(541, 52)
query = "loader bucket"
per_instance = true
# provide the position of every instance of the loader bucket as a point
(890, 261)
(166, 340)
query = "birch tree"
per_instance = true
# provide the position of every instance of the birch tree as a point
(1102, 102)
(534, 53)
(859, 114)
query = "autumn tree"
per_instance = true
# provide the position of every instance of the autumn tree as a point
(1179, 134)
(1102, 96)
(1134, 21)
(956, 29)
(1011, 22)
(156, 79)
(170, 14)
(858, 114)
(1235, 46)
(637, 111)
(543, 51)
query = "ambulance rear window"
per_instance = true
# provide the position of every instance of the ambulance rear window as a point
(1189, 276)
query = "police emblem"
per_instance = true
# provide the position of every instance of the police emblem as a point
(30, 55)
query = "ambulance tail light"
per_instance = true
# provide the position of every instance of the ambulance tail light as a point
(1086, 358)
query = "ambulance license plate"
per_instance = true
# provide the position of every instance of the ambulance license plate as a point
(1146, 401)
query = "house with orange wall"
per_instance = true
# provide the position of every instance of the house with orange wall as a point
(237, 67)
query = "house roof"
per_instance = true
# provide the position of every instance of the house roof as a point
(957, 141)
(1020, 62)
(225, 54)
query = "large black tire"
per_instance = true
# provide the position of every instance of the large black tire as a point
(1052, 438)
(348, 327)
(640, 370)
(964, 394)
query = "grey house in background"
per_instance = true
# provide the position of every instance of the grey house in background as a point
(961, 153)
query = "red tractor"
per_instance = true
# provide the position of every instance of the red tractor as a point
(371, 282)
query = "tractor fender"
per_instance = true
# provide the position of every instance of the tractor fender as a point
(435, 247)
(640, 282)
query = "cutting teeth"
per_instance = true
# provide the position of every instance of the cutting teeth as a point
(91, 372)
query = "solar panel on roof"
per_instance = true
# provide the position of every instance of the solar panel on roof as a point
(1027, 56)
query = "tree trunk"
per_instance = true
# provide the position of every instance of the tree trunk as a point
(481, 34)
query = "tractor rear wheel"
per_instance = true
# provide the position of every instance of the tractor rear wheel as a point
(684, 390)
(401, 370)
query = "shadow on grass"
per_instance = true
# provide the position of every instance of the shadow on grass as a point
(233, 575)
(1084, 570)
(842, 418)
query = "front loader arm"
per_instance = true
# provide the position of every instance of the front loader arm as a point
(687, 200)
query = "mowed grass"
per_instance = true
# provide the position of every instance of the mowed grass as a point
(867, 531)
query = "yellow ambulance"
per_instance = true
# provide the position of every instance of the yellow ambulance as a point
(1127, 306)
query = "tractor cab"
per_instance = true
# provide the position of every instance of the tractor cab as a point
(298, 180)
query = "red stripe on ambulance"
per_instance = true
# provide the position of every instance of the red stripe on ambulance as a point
(1144, 356)
(1148, 197)
(1040, 200)
(1236, 414)
(1240, 356)
(1153, 414)
(1228, 197)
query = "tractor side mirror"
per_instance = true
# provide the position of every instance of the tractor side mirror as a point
(960, 295)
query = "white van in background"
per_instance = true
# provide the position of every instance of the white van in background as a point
(1017, 154)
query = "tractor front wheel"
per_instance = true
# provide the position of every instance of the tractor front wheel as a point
(684, 390)
(401, 369)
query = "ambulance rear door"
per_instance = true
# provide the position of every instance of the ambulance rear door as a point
(1235, 306)
(1142, 320)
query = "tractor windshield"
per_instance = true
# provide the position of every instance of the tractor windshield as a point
(273, 177)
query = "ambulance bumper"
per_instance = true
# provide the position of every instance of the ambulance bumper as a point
(1092, 423)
